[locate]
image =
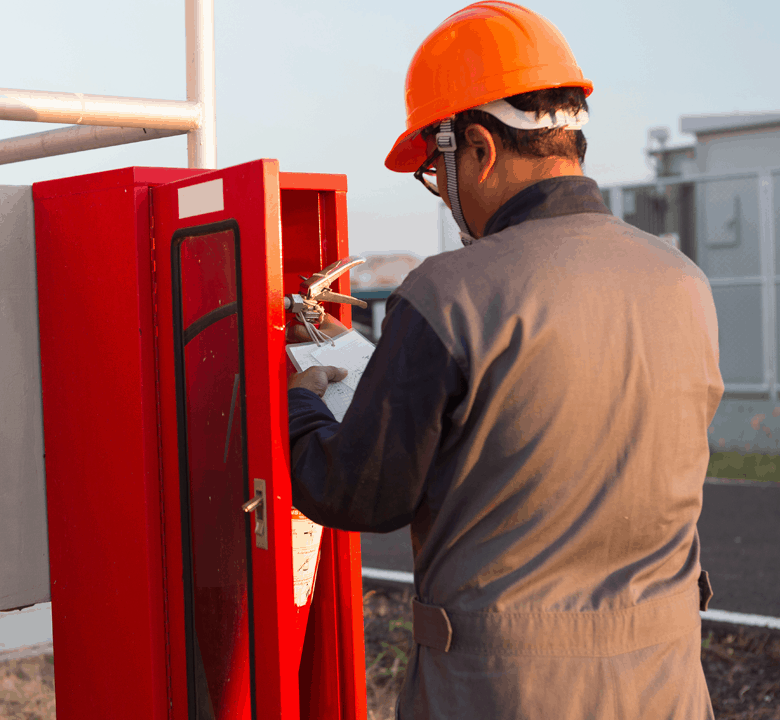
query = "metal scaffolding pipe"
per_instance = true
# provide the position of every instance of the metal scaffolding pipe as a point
(74, 139)
(201, 82)
(117, 115)
(80, 109)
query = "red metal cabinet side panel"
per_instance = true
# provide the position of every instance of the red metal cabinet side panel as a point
(100, 432)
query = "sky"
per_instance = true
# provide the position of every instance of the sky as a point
(320, 87)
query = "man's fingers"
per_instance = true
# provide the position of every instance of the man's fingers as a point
(334, 374)
(316, 378)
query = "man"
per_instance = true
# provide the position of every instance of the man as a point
(537, 408)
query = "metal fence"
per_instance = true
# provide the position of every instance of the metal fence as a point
(729, 225)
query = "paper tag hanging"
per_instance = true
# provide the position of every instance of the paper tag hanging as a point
(306, 537)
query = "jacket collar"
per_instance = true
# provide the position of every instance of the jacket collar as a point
(566, 195)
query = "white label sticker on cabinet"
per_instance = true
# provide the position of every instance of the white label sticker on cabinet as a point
(306, 537)
(200, 199)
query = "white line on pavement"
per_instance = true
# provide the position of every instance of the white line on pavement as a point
(741, 618)
(391, 575)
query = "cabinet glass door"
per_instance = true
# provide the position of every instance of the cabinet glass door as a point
(212, 467)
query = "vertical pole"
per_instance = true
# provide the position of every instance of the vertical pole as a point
(201, 82)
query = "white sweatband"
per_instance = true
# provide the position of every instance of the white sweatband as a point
(521, 120)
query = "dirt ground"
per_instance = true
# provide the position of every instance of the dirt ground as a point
(27, 688)
(742, 666)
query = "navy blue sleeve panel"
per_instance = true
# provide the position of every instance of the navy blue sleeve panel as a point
(369, 472)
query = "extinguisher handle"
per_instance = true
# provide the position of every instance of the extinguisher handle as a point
(327, 295)
(313, 286)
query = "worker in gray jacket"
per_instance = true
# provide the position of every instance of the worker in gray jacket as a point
(537, 408)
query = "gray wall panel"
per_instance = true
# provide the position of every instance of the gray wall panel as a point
(728, 228)
(24, 552)
(739, 333)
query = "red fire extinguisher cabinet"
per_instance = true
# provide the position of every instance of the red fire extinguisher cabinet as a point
(165, 409)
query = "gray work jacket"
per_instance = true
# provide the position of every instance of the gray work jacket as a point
(558, 574)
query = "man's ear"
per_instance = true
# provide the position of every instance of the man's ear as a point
(482, 141)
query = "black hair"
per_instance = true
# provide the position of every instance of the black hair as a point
(545, 142)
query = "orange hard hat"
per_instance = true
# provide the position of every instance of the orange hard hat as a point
(487, 51)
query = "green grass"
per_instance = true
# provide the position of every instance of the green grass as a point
(751, 466)
(400, 658)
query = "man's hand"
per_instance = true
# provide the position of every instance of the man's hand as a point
(330, 326)
(316, 379)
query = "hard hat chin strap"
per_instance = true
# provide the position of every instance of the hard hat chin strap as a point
(514, 118)
(445, 143)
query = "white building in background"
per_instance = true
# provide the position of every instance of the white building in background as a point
(718, 199)
(721, 144)
(728, 143)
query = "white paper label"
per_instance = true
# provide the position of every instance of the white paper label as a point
(306, 536)
(200, 199)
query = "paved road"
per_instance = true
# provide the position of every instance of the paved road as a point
(740, 535)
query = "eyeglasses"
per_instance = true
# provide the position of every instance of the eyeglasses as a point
(429, 168)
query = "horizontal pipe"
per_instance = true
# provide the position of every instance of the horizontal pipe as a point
(746, 388)
(79, 109)
(736, 280)
(74, 139)
(693, 178)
